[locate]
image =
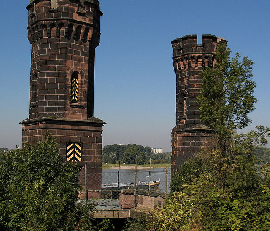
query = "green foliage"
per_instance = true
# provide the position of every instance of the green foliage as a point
(105, 225)
(137, 224)
(263, 154)
(222, 189)
(38, 191)
(132, 154)
(112, 153)
(227, 94)
(161, 158)
(213, 191)
(180, 213)
(3, 149)
(189, 171)
(87, 223)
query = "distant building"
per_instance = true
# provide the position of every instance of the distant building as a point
(156, 150)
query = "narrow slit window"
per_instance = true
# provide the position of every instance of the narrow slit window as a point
(74, 87)
(33, 96)
(77, 34)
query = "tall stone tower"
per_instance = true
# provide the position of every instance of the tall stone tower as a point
(189, 58)
(64, 35)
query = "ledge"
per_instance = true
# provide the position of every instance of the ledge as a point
(112, 214)
(196, 128)
(92, 120)
(76, 105)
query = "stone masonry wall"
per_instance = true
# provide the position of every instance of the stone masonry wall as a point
(189, 135)
(64, 35)
(89, 135)
(63, 42)
(186, 144)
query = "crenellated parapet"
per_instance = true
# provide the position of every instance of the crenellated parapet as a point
(188, 54)
(70, 19)
(189, 58)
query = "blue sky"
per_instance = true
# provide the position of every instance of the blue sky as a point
(134, 77)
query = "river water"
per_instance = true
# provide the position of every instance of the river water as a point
(127, 176)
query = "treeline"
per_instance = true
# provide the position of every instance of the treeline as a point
(133, 154)
(262, 154)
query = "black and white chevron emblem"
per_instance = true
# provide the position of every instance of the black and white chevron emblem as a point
(74, 152)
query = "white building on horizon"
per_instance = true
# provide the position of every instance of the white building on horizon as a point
(156, 150)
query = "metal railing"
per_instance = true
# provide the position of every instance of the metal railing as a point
(127, 188)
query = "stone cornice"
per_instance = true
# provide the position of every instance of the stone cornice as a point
(90, 121)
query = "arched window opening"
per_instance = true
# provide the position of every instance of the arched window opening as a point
(69, 31)
(53, 31)
(78, 33)
(61, 30)
(85, 34)
(36, 36)
(43, 31)
(74, 87)
(206, 61)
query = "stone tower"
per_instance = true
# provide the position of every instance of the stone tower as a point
(190, 135)
(64, 35)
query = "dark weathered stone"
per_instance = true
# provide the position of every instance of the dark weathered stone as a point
(52, 27)
(190, 136)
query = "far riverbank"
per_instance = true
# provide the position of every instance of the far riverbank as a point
(125, 166)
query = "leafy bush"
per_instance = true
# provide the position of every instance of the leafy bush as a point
(38, 191)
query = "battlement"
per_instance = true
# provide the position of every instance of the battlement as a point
(67, 18)
(54, 6)
(188, 44)
(79, 1)
(189, 58)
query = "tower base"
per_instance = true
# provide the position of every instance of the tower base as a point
(79, 141)
(186, 143)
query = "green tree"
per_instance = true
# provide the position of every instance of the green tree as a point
(115, 150)
(3, 149)
(263, 154)
(160, 158)
(222, 189)
(202, 200)
(226, 96)
(129, 154)
(226, 99)
(38, 191)
(109, 157)
(140, 158)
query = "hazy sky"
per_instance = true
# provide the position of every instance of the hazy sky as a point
(134, 77)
